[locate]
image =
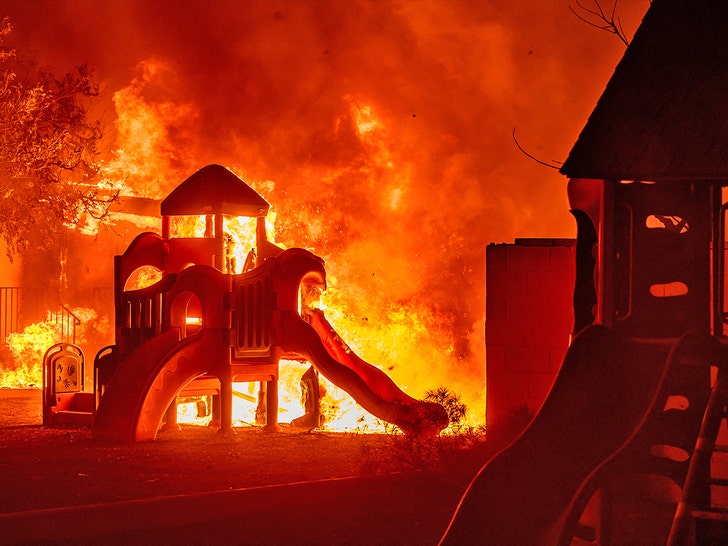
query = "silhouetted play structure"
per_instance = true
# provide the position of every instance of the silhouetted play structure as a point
(620, 451)
(200, 328)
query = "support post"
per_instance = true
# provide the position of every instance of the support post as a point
(226, 404)
(271, 399)
(170, 417)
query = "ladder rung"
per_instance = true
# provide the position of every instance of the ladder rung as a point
(718, 481)
(714, 514)
(720, 448)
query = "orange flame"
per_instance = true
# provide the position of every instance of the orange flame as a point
(26, 348)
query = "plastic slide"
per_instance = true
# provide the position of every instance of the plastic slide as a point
(599, 399)
(370, 387)
(147, 380)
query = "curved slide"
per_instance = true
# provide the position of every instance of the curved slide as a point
(148, 379)
(369, 386)
(600, 397)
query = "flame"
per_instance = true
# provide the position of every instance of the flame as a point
(24, 369)
(150, 134)
(391, 150)
(143, 277)
(353, 212)
(339, 411)
(27, 349)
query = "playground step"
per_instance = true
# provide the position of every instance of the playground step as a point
(72, 417)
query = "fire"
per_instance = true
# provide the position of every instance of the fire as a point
(150, 133)
(377, 297)
(410, 339)
(339, 411)
(26, 348)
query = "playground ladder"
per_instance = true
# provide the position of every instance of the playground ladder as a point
(696, 514)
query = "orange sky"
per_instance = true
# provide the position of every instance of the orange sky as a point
(379, 131)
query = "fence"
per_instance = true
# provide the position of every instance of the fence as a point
(68, 323)
(20, 307)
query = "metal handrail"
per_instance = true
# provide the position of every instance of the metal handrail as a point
(68, 321)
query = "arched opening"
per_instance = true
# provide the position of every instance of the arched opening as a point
(186, 314)
(142, 277)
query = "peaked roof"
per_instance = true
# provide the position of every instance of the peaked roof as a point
(214, 190)
(664, 112)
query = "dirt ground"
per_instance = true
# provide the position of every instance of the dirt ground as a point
(195, 486)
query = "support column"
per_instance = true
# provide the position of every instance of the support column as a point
(170, 417)
(226, 405)
(271, 400)
(215, 420)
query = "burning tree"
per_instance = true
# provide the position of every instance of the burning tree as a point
(48, 151)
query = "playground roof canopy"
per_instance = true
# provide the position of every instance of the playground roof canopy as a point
(214, 190)
(664, 113)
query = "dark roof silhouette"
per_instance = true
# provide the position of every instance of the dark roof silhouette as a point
(664, 112)
(214, 190)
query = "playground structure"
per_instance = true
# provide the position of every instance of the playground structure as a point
(621, 451)
(202, 327)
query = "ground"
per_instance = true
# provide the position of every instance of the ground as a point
(195, 486)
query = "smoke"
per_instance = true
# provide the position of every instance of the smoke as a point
(379, 131)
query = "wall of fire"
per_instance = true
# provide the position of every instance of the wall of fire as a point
(529, 319)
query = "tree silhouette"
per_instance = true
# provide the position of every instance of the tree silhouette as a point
(48, 151)
(600, 18)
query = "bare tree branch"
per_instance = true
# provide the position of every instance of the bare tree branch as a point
(598, 18)
(553, 165)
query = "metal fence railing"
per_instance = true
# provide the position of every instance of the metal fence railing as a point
(9, 311)
(20, 307)
(67, 322)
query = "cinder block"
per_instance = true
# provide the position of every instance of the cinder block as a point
(495, 257)
(517, 388)
(506, 282)
(563, 259)
(547, 334)
(496, 306)
(504, 396)
(562, 309)
(528, 258)
(556, 359)
(538, 307)
(516, 281)
(551, 283)
(527, 359)
(517, 306)
(502, 332)
(495, 362)
(539, 385)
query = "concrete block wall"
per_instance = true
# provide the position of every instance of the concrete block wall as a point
(528, 322)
